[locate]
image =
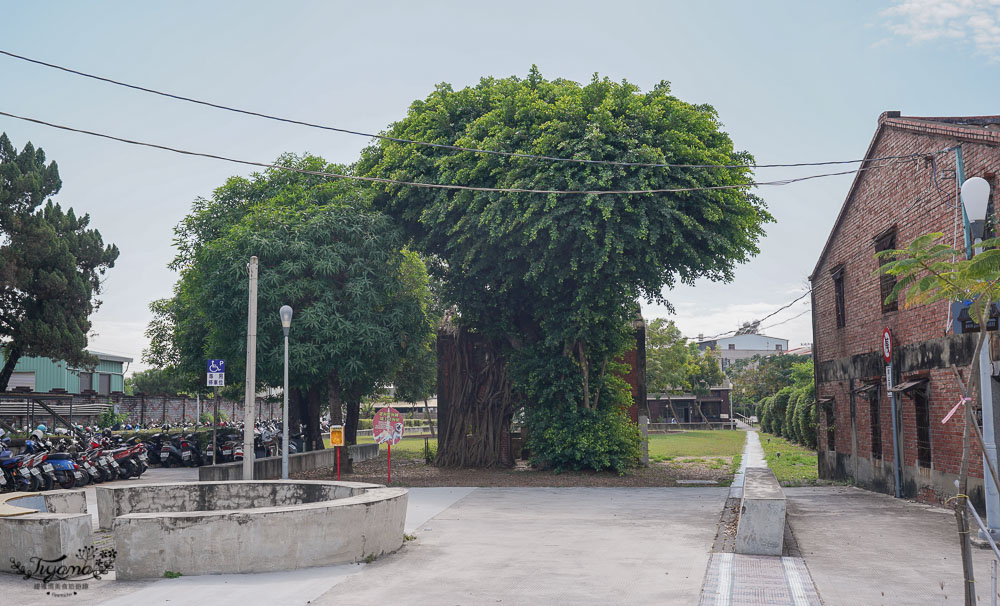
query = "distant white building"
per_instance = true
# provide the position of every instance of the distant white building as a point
(742, 346)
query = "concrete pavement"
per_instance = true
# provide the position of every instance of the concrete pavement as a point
(480, 546)
(550, 546)
(595, 546)
(864, 548)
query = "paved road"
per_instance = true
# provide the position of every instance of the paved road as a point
(864, 548)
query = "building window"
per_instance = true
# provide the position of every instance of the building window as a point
(874, 409)
(838, 295)
(732, 346)
(104, 384)
(777, 347)
(86, 381)
(921, 407)
(886, 241)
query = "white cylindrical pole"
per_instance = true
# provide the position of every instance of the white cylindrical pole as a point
(284, 420)
(250, 400)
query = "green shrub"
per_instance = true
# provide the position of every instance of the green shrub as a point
(764, 414)
(805, 417)
(791, 431)
(108, 418)
(365, 423)
(583, 439)
(778, 408)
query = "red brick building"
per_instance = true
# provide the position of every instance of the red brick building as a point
(890, 203)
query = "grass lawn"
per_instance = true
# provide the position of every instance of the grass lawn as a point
(712, 449)
(704, 443)
(410, 448)
(795, 465)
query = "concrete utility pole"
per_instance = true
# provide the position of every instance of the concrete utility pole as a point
(974, 201)
(251, 391)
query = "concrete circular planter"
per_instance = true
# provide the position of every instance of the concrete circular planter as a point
(237, 527)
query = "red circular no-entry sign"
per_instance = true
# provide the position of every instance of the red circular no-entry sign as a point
(887, 346)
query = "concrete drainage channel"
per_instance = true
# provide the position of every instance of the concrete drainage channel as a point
(196, 528)
(755, 560)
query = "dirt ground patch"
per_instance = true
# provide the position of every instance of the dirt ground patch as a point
(415, 472)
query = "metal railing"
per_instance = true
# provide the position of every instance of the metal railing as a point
(996, 552)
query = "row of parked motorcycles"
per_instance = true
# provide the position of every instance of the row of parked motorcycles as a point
(62, 461)
(69, 463)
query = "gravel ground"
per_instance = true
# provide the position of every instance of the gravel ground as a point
(415, 472)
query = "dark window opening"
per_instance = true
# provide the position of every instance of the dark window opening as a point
(777, 347)
(86, 381)
(875, 409)
(104, 384)
(831, 427)
(921, 407)
(732, 346)
(886, 241)
(838, 294)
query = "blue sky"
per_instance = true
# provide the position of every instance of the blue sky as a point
(792, 81)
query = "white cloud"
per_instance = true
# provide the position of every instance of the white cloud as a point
(974, 21)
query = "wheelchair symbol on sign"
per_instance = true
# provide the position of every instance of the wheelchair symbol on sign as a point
(216, 365)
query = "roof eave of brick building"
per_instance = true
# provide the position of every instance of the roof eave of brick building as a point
(967, 128)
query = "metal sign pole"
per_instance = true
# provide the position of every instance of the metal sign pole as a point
(215, 427)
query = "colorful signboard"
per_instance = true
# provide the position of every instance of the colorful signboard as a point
(387, 428)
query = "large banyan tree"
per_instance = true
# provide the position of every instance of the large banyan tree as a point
(548, 283)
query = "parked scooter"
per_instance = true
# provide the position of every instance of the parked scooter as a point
(190, 453)
(170, 453)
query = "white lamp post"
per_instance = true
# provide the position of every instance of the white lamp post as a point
(286, 322)
(975, 199)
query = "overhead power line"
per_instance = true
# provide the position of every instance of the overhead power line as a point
(435, 145)
(788, 320)
(515, 190)
(770, 315)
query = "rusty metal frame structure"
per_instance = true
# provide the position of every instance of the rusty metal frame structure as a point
(32, 398)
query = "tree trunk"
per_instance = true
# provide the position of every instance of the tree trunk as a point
(336, 404)
(961, 499)
(296, 397)
(351, 423)
(962, 516)
(697, 404)
(353, 400)
(474, 400)
(673, 411)
(13, 355)
(313, 437)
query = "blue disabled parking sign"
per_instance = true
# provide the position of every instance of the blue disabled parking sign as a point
(216, 371)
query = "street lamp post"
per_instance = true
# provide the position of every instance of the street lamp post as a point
(286, 322)
(975, 199)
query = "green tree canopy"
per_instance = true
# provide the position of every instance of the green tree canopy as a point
(759, 377)
(667, 355)
(675, 365)
(358, 299)
(51, 265)
(154, 381)
(560, 275)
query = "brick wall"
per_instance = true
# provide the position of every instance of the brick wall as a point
(901, 196)
(160, 409)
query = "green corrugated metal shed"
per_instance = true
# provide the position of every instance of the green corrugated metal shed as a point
(52, 374)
